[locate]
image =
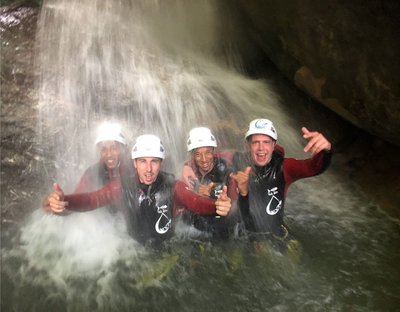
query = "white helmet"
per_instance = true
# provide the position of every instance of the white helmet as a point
(199, 137)
(262, 126)
(109, 131)
(148, 145)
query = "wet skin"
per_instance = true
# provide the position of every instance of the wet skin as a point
(110, 152)
(147, 169)
(261, 147)
(204, 159)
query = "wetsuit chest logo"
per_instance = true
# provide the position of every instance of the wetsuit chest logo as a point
(164, 222)
(274, 203)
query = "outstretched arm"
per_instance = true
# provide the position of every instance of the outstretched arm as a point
(55, 201)
(109, 194)
(199, 204)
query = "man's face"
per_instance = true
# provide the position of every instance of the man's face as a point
(147, 169)
(261, 147)
(204, 158)
(110, 152)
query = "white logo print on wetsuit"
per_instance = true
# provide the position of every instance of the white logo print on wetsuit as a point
(274, 203)
(162, 219)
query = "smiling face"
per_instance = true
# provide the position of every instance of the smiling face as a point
(261, 147)
(110, 152)
(204, 159)
(147, 169)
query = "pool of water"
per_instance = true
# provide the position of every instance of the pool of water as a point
(86, 261)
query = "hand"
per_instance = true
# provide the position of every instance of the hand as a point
(55, 201)
(316, 142)
(205, 189)
(223, 203)
(188, 176)
(242, 179)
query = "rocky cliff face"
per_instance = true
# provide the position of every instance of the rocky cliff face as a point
(345, 54)
(21, 156)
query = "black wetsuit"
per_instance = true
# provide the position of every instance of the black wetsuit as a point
(263, 208)
(149, 209)
(217, 226)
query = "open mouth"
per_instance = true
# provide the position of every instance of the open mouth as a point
(148, 177)
(111, 162)
(261, 157)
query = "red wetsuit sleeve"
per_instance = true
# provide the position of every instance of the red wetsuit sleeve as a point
(84, 184)
(232, 190)
(295, 169)
(193, 201)
(110, 193)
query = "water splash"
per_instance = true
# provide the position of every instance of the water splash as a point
(150, 64)
(160, 66)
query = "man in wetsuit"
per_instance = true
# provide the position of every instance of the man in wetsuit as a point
(112, 147)
(263, 176)
(207, 172)
(148, 195)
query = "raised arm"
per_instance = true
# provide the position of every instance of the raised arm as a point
(320, 149)
(242, 180)
(316, 142)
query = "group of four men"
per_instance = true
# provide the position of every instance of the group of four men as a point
(212, 187)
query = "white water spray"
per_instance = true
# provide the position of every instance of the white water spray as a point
(150, 64)
(153, 66)
(157, 66)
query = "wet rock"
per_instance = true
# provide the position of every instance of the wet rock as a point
(20, 168)
(344, 54)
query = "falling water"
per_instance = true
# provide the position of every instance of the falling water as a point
(164, 67)
(152, 65)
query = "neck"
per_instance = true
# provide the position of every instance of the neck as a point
(113, 172)
(203, 173)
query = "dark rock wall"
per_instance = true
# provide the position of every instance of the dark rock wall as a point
(21, 155)
(345, 54)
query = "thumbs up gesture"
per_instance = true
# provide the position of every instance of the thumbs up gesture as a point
(55, 201)
(242, 179)
(205, 189)
(223, 203)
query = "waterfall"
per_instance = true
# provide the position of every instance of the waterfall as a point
(155, 66)
(165, 66)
